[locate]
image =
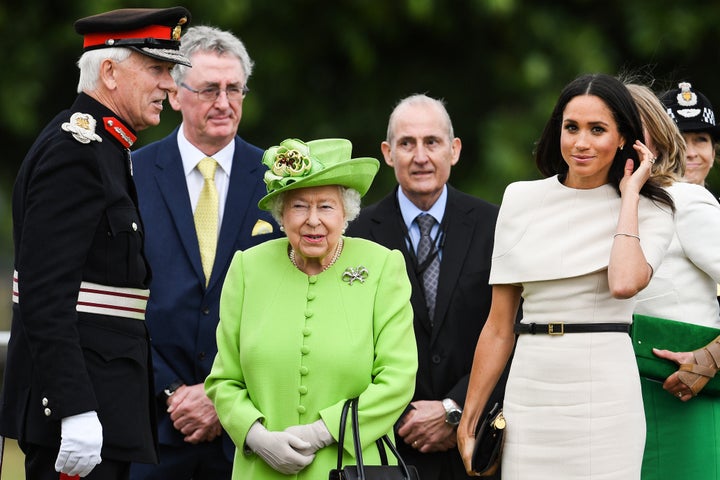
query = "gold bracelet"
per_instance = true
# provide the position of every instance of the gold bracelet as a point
(627, 235)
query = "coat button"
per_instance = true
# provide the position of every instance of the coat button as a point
(304, 349)
(45, 401)
(304, 371)
(302, 390)
(306, 332)
(301, 409)
(436, 359)
(134, 226)
(47, 412)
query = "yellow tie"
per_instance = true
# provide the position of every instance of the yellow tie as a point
(206, 216)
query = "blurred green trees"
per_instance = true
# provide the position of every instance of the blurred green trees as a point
(337, 67)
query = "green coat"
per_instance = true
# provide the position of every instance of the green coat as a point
(292, 348)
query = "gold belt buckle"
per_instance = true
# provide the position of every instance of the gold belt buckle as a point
(556, 328)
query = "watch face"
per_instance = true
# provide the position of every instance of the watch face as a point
(453, 417)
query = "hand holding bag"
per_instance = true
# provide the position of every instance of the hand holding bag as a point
(401, 471)
(489, 438)
(648, 332)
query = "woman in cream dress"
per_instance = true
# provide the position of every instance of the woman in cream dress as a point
(575, 247)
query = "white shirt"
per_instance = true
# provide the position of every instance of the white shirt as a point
(191, 156)
(410, 211)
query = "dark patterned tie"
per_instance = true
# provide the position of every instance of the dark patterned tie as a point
(428, 262)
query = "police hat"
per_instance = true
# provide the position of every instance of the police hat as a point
(154, 32)
(691, 110)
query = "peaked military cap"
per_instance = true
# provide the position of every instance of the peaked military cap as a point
(154, 32)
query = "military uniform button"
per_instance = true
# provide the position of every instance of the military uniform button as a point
(134, 226)
(45, 402)
(47, 412)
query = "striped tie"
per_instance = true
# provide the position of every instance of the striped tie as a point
(206, 216)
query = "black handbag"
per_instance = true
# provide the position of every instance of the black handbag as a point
(489, 438)
(401, 471)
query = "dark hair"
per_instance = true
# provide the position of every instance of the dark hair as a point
(616, 96)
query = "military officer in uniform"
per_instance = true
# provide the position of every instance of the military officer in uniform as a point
(78, 391)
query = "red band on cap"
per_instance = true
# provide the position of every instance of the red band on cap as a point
(160, 32)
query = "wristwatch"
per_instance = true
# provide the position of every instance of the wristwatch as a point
(452, 411)
(170, 389)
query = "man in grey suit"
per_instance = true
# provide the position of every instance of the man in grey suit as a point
(451, 295)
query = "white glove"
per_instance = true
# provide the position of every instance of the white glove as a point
(316, 434)
(280, 450)
(81, 441)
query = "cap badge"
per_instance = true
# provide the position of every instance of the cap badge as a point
(82, 127)
(177, 30)
(687, 98)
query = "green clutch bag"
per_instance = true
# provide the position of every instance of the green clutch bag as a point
(653, 332)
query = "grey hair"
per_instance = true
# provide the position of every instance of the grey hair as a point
(419, 99)
(210, 39)
(89, 65)
(350, 199)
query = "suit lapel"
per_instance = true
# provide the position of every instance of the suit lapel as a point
(459, 232)
(170, 179)
(240, 193)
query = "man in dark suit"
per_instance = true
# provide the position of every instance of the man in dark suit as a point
(422, 149)
(78, 380)
(188, 268)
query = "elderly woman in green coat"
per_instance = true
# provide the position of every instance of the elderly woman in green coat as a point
(311, 320)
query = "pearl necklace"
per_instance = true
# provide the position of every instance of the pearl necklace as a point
(338, 251)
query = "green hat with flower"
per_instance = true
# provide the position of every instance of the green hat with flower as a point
(296, 164)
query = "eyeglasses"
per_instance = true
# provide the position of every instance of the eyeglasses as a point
(210, 94)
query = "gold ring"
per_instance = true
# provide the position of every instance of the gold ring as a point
(415, 443)
(652, 160)
(679, 394)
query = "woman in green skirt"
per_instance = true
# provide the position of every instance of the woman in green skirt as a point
(683, 421)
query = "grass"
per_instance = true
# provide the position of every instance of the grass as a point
(13, 465)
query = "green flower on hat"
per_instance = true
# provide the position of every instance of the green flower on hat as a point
(286, 162)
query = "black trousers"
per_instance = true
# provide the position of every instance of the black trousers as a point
(40, 465)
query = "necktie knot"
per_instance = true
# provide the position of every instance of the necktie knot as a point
(207, 167)
(425, 221)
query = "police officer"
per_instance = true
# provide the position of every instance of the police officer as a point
(78, 380)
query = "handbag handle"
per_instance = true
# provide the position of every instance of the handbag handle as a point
(352, 406)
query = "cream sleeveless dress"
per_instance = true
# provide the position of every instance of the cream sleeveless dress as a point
(573, 403)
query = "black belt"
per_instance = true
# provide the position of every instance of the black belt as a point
(560, 328)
